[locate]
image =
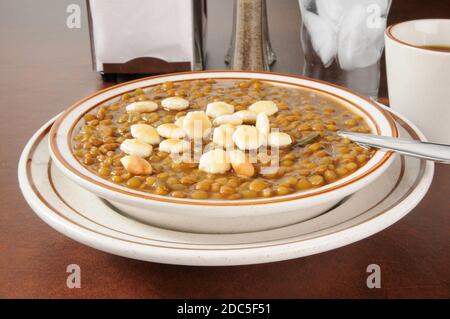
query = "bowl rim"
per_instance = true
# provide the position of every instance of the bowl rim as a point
(131, 194)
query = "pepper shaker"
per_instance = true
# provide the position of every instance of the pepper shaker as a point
(250, 47)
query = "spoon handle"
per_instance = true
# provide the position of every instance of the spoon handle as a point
(430, 151)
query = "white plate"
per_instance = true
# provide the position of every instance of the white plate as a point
(84, 217)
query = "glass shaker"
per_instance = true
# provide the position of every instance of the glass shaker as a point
(250, 47)
(343, 41)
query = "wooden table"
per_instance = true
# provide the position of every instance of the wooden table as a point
(44, 67)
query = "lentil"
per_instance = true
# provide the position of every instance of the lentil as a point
(322, 160)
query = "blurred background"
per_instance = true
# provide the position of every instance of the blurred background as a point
(35, 41)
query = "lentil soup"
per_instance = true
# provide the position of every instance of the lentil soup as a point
(135, 140)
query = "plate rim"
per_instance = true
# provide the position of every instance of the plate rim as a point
(215, 257)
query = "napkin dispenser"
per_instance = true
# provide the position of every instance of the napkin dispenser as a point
(147, 36)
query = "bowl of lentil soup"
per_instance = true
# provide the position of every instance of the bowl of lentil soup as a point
(220, 151)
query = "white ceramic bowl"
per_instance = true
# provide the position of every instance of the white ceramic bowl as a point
(221, 216)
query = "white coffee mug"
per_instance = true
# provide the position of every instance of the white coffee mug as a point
(418, 77)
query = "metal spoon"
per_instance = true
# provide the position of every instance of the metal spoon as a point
(430, 151)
